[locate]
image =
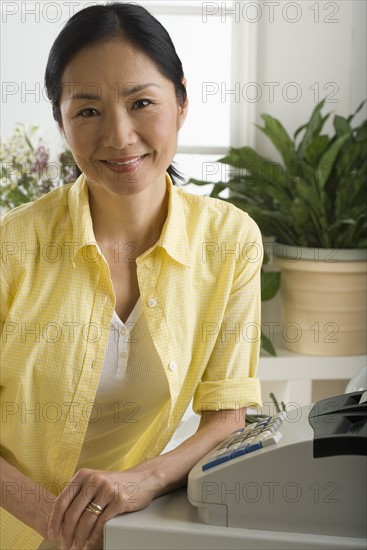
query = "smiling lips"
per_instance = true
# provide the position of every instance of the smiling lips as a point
(127, 164)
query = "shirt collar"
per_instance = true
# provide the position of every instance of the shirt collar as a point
(81, 219)
(174, 233)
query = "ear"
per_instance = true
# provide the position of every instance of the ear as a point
(183, 109)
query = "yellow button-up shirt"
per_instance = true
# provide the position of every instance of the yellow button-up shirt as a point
(199, 286)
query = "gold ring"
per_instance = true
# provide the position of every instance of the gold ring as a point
(94, 508)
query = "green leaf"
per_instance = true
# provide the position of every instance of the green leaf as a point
(348, 158)
(350, 118)
(273, 224)
(232, 158)
(259, 167)
(279, 137)
(215, 191)
(270, 283)
(341, 126)
(327, 160)
(361, 132)
(242, 204)
(267, 345)
(299, 130)
(316, 148)
(311, 128)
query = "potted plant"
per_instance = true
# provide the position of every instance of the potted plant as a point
(314, 206)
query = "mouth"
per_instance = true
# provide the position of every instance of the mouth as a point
(126, 164)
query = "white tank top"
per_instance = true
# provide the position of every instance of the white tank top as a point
(132, 390)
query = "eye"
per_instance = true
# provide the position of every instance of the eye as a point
(88, 112)
(141, 103)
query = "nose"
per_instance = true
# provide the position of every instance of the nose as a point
(118, 130)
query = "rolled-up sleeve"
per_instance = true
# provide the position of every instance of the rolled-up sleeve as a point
(229, 380)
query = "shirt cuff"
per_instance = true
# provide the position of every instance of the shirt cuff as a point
(227, 394)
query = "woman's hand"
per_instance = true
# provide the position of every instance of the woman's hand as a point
(76, 528)
(71, 526)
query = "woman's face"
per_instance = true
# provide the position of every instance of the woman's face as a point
(120, 117)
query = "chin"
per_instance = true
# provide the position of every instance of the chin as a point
(127, 186)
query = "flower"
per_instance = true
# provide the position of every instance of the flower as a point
(26, 170)
(42, 156)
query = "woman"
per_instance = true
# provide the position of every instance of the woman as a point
(123, 297)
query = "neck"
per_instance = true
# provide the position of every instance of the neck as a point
(137, 218)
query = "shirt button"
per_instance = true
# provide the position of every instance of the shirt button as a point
(152, 302)
(123, 354)
(124, 331)
(172, 367)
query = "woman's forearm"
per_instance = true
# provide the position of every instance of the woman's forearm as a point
(170, 470)
(24, 498)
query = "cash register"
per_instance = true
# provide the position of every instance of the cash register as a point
(304, 474)
(284, 481)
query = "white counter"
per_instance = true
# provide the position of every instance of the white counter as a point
(171, 523)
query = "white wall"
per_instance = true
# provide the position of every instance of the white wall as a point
(328, 56)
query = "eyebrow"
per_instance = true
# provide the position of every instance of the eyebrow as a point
(125, 92)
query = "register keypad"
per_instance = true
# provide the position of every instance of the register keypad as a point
(255, 436)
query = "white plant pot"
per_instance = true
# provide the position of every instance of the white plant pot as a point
(324, 299)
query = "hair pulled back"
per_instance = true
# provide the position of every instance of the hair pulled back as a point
(101, 23)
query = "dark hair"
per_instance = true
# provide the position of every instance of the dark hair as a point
(102, 23)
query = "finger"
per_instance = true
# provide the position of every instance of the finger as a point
(98, 545)
(78, 522)
(61, 504)
(95, 538)
(90, 530)
(86, 527)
